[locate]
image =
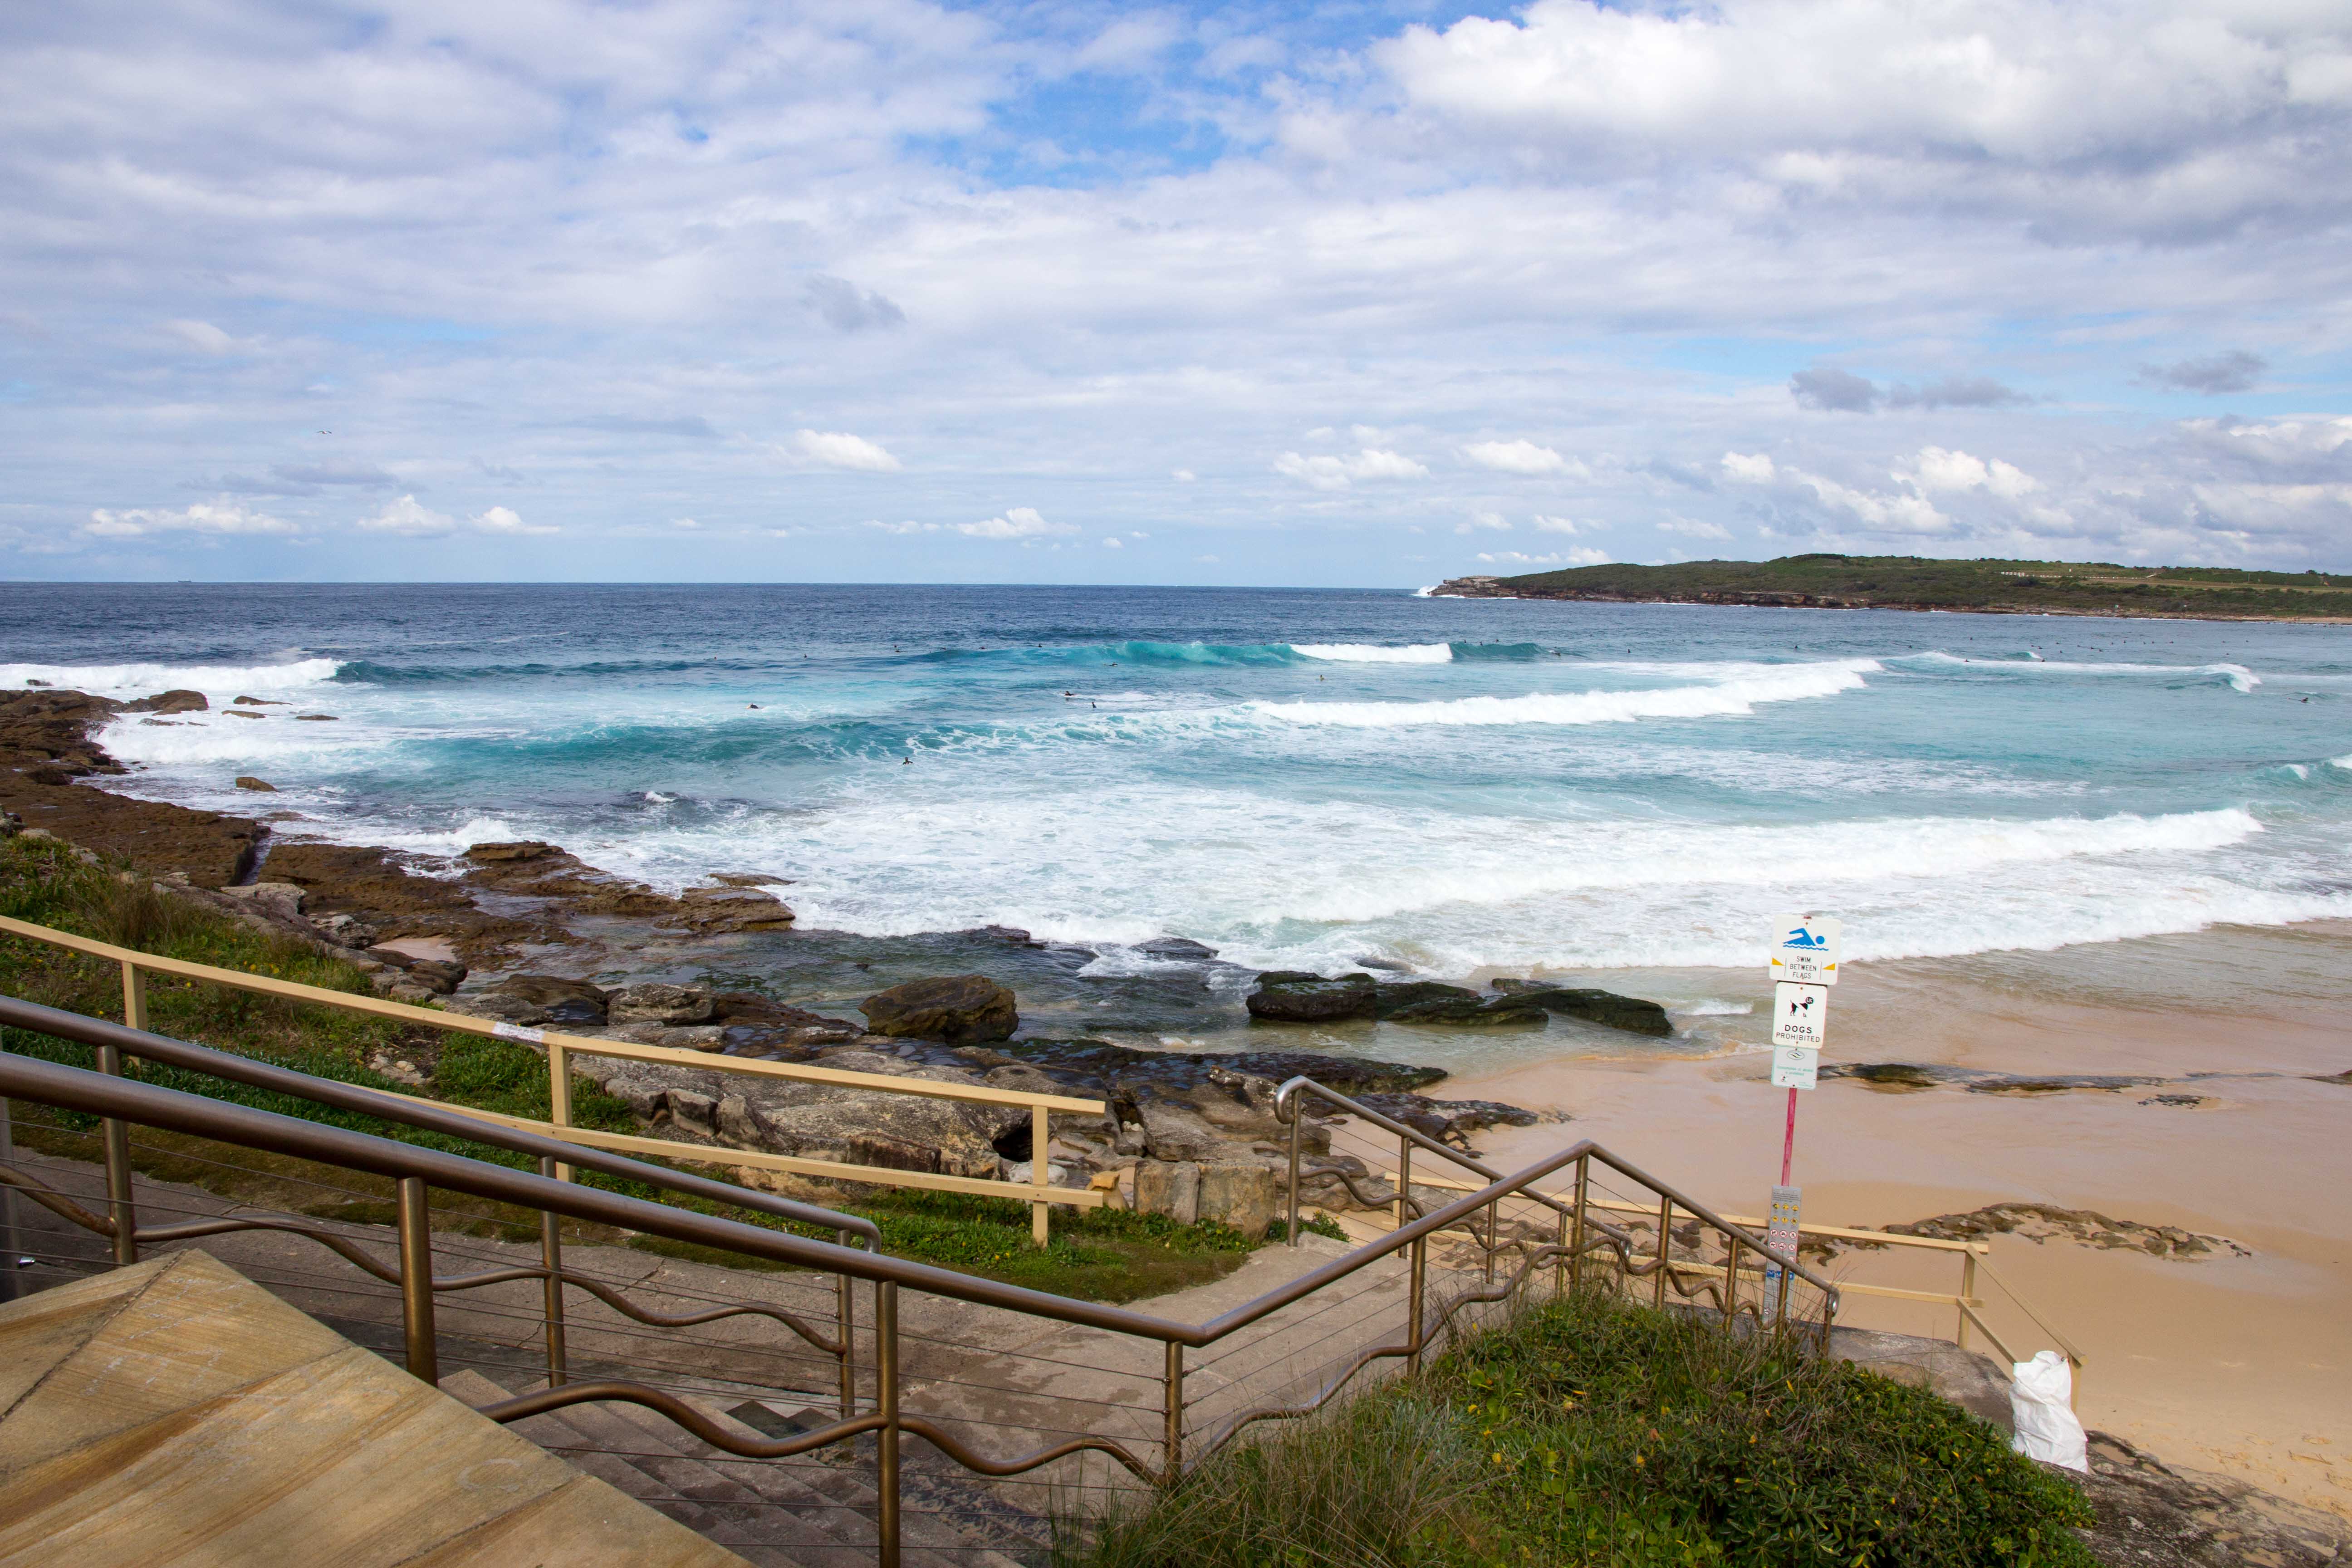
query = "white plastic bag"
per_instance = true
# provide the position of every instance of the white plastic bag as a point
(2041, 1395)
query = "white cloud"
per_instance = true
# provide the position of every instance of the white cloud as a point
(202, 336)
(1182, 476)
(1520, 458)
(1902, 512)
(1694, 527)
(1576, 555)
(909, 527)
(1493, 521)
(408, 517)
(1114, 543)
(1328, 473)
(839, 449)
(221, 517)
(1935, 469)
(684, 523)
(1555, 524)
(1749, 469)
(411, 520)
(1022, 522)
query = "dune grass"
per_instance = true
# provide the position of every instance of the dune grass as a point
(1594, 1431)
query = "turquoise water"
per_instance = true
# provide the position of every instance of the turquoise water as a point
(1297, 779)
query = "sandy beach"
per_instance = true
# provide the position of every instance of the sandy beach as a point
(2240, 1365)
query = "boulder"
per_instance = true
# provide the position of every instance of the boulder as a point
(1241, 1195)
(440, 976)
(1170, 1188)
(317, 717)
(518, 850)
(281, 899)
(1469, 1012)
(555, 999)
(165, 702)
(1603, 1008)
(259, 702)
(956, 1008)
(1391, 997)
(1295, 997)
(656, 1003)
(749, 879)
(709, 911)
(348, 930)
(247, 780)
(1177, 949)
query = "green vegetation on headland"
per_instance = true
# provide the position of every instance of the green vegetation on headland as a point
(1593, 1431)
(1096, 1255)
(1918, 583)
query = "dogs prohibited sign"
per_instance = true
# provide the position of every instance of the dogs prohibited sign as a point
(1806, 950)
(1800, 1014)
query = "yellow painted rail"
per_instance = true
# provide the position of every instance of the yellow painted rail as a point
(1038, 1191)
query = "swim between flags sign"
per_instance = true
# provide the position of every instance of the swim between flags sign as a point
(1805, 951)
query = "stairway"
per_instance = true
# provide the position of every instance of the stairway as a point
(814, 1510)
(174, 1412)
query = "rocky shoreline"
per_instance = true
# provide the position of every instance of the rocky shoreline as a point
(485, 932)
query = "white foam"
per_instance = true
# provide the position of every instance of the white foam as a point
(216, 681)
(1712, 1009)
(2343, 762)
(1375, 652)
(1725, 698)
(2238, 675)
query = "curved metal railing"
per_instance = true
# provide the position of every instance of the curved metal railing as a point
(121, 1101)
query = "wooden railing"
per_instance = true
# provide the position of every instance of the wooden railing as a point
(1038, 1192)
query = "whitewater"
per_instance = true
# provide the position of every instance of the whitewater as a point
(1317, 780)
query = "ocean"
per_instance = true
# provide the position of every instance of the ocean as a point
(1309, 780)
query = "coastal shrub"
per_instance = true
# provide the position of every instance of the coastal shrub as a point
(1608, 1433)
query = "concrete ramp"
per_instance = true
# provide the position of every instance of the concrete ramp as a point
(176, 1412)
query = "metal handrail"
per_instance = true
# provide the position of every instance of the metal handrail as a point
(122, 1101)
(1298, 1088)
(104, 1034)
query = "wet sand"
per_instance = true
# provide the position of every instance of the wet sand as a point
(2237, 1365)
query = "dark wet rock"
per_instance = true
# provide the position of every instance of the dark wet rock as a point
(554, 999)
(1450, 1121)
(1296, 996)
(749, 879)
(371, 884)
(247, 780)
(658, 1003)
(1176, 948)
(168, 702)
(241, 714)
(1901, 1076)
(1012, 934)
(45, 746)
(2154, 1515)
(955, 1008)
(259, 702)
(1603, 1008)
(2344, 1078)
(2182, 1101)
(530, 867)
(1391, 997)
(317, 717)
(1499, 1013)
(2046, 1222)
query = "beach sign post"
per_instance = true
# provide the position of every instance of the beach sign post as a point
(1803, 966)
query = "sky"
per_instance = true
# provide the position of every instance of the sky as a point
(1363, 295)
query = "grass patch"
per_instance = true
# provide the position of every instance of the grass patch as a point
(1593, 1431)
(1096, 1255)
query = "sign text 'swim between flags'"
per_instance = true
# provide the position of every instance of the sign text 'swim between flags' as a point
(1806, 951)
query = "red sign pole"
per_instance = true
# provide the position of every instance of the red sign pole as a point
(1788, 1144)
